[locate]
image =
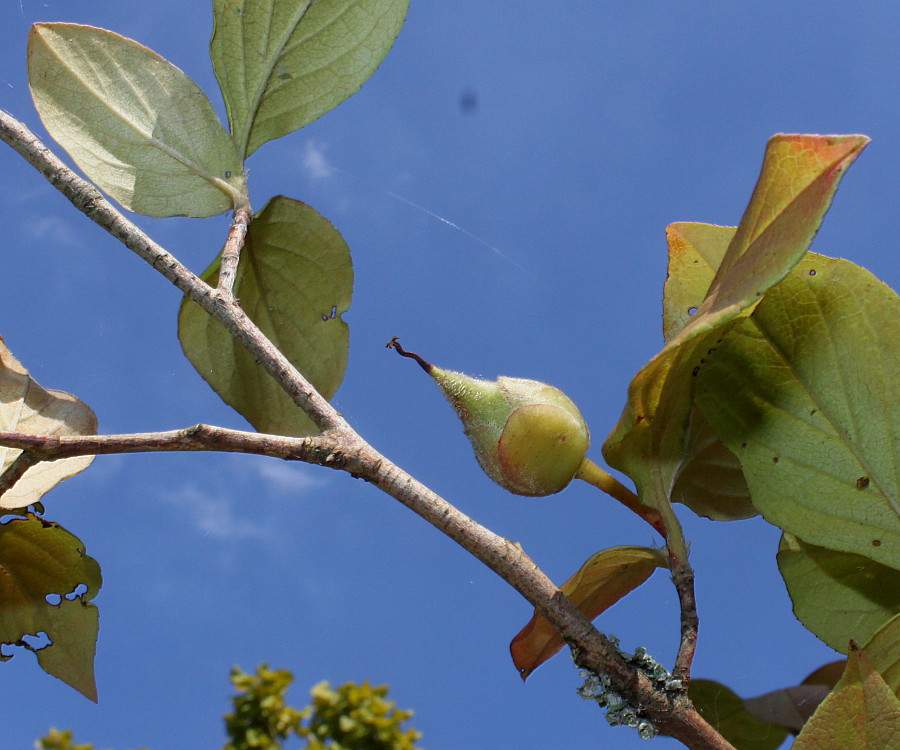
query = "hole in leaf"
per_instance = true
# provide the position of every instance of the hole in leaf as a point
(35, 642)
(53, 599)
(692, 310)
(332, 315)
(812, 271)
(79, 590)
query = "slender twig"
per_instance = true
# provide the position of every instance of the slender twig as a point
(603, 480)
(673, 714)
(682, 574)
(199, 437)
(683, 578)
(231, 252)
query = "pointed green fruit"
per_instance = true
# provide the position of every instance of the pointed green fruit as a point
(528, 436)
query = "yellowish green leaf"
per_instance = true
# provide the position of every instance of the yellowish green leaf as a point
(25, 406)
(839, 596)
(134, 123)
(883, 650)
(294, 281)
(603, 579)
(39, 559)
(805, 393)
(710, 480)
(799, 176)
(860, 713)
(695, 252)
(281, 65)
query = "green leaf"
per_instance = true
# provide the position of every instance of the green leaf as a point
(806, 394)
(839, 596)
(710, 480)
(294, 281)
(860, 713)
(724, 710)
(133, 122)
(883, 650)
(603, 579)
(799, 176)
(40, 559)
(25, 406)
(281, 65)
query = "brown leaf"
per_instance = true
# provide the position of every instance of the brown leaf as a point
(602, 580)
(26, 406)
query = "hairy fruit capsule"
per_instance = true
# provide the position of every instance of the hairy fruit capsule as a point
(528, 436)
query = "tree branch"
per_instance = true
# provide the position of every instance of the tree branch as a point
(200, 437)
(672, 713)
(220, 305)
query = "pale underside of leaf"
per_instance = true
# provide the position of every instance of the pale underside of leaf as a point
(839, 596)
(294, 281)
(25, 406)
(805, 393)
(600, 582)
(137, 126)
(37, 560)
(281, 65)
(798, 179)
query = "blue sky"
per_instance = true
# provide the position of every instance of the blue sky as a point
(595, 125)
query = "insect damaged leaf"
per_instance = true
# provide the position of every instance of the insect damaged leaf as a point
(46, 584)
(294, 280)
(805, 393)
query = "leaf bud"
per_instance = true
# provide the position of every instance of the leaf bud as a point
(528, 436)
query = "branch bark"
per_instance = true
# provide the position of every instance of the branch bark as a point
(231, 252)
(340, 447)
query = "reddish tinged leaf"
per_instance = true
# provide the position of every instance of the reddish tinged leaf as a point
(602, 580)
(695, 252)
(799, 176)
(827, 674)
(860, 713)
(788, 707)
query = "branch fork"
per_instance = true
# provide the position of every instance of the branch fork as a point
(338, 446)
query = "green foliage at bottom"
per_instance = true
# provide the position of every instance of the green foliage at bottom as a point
(260, 720)
(59, 740)
(349, 717)
(356, 717)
